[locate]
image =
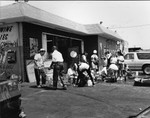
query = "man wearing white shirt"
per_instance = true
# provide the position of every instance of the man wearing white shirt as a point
(94, 61)
(83, 67)
(58, 67)
(38, 67)
(120, 64)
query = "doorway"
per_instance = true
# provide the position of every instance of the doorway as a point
(63, 43)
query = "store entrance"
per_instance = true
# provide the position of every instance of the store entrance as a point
(64, 44)
(49, 44)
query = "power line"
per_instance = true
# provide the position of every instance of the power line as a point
(121, 27)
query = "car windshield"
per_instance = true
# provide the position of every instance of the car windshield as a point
(143, 55)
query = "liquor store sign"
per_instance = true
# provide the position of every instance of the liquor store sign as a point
(9, 33)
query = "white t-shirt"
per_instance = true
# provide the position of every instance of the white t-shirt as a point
(71, 73)
(120, 59)
(39, 61)
(113, 67)
(113, 60)
(83, 66)
(57, 56)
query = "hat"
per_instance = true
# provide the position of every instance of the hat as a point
(42, 50)
(95, 51)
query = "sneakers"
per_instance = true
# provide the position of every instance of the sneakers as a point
(118, 78)
(43, 85)
(38, 86)
(22, 115)
(64, 87)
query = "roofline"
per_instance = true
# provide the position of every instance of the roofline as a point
(57, 27)
(77, 28)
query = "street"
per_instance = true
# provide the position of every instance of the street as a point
(104, 100)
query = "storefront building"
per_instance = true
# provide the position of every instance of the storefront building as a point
(25, 29)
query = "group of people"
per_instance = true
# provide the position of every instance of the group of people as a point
(79, 74)
(114, 62)
(76, 72)
(56, 65)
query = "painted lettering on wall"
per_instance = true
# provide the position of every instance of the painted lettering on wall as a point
(8, 40)
(6, 71)
(4, 32)
(3, 36)
(6, 29)
(9, 33)
(5, 67)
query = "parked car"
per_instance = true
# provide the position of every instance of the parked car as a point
(138, 61)
(143, 114)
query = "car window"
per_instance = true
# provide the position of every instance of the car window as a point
(129, 56)
(143, 55)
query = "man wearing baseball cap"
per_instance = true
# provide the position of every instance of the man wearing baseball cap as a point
(39, 67)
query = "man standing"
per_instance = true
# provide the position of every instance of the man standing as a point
(58, 67)
(94, 61)
(39, 68)
(120, 63)
(108, 56)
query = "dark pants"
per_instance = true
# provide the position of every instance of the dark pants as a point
(81, 76)
(40, 73)
(57, 72)
(120, 70)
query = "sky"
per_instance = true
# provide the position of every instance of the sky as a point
(131, 19)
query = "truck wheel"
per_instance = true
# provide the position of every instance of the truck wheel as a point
(146, 69)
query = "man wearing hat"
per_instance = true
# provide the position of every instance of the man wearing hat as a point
(39, 68)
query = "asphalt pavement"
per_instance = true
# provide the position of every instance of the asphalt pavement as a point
(104, 100)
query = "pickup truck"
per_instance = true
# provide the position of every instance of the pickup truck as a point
(138, 61)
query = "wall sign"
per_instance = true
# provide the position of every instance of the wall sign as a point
(8, 39)
(9, 33)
